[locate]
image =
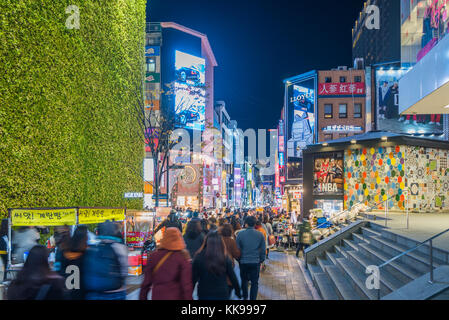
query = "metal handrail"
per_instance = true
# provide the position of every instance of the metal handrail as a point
(335, 216)
(430, 240)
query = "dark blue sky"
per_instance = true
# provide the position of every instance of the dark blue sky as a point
(258, 43)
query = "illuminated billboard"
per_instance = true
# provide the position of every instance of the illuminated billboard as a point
(328, 175)
(388, 118)
(300, 116)
(424, 24)
(190, 91)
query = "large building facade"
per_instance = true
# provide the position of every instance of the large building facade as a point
(179, 75)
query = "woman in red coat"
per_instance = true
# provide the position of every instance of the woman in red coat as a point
(169, 271)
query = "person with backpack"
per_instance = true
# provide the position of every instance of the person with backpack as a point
(106, 266)
(169, 271)
(172, 221)
(212, 268)
(253, 250)
(36, 281)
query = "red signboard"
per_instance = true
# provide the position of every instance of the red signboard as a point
(341, 89)
(136, 238)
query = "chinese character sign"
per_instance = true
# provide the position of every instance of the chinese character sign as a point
(341, 89)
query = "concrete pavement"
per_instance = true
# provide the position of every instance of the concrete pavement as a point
(282, 280)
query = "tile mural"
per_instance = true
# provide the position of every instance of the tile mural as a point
(376, 174)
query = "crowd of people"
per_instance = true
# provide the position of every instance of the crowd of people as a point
(196, 250)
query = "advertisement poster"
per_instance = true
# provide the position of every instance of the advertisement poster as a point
(99, 215)
(328, 175)
(190, 91)
(388, 118)
(301, 117)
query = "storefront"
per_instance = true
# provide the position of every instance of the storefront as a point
(375, 167)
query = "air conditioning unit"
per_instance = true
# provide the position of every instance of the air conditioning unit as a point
(344, 68)
(359, 63)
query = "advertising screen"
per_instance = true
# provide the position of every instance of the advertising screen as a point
(328, 174)
(190, 91)
(424, 24)
(388, 118)
(301, 116)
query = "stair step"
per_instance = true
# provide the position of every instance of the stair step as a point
(370, 232)
(383, 257)
(342, 251)
(414, 254)
(323, 263)
(360, 237)
(314, 269)
(342, 284)
(357, 277)
(331, 256)
(325, 287)
(391, 282)
(348, 243)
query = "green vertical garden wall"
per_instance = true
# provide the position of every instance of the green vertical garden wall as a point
(68, 136)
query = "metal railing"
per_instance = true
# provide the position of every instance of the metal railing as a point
(430, 240)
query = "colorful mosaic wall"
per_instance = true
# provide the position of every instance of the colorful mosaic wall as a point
(428, 176)
(376, 174)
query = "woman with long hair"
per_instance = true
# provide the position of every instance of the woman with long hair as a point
(211, 269)
(193, 236)
(36, 281)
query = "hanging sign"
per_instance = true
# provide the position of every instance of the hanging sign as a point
(43, 217)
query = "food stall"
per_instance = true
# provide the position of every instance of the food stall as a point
(58, 216)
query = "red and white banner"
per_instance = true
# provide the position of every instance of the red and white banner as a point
(340, 89)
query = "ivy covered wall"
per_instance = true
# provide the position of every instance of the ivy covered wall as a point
(68, 136)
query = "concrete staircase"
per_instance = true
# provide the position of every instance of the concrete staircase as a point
(338, 271)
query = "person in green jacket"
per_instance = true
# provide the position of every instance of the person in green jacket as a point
(305, 236)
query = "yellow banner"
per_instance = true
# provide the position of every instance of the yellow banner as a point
(96, 215)
(43, 217)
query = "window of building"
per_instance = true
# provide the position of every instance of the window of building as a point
(328, 136)
(151, 65)
(328, 112)
(328, 80)
(342, 135)
(357, 79)
(343, 111)
(342, 79)
(357, 110)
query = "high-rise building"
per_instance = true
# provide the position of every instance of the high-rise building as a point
(179, 75)
(381, 45)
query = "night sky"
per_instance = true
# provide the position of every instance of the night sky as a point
(258, 43)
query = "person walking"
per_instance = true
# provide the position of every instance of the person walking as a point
(252, 247)
(169, 271)
(4, 249)
(36, 281)
(212, 267)
(212, 224)
(270, 234)
(105, 265)
(74, 256)
(172, 221)
(193, 237)
(22, 241)
(232, 250)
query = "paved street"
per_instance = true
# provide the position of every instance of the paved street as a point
(282, 280)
